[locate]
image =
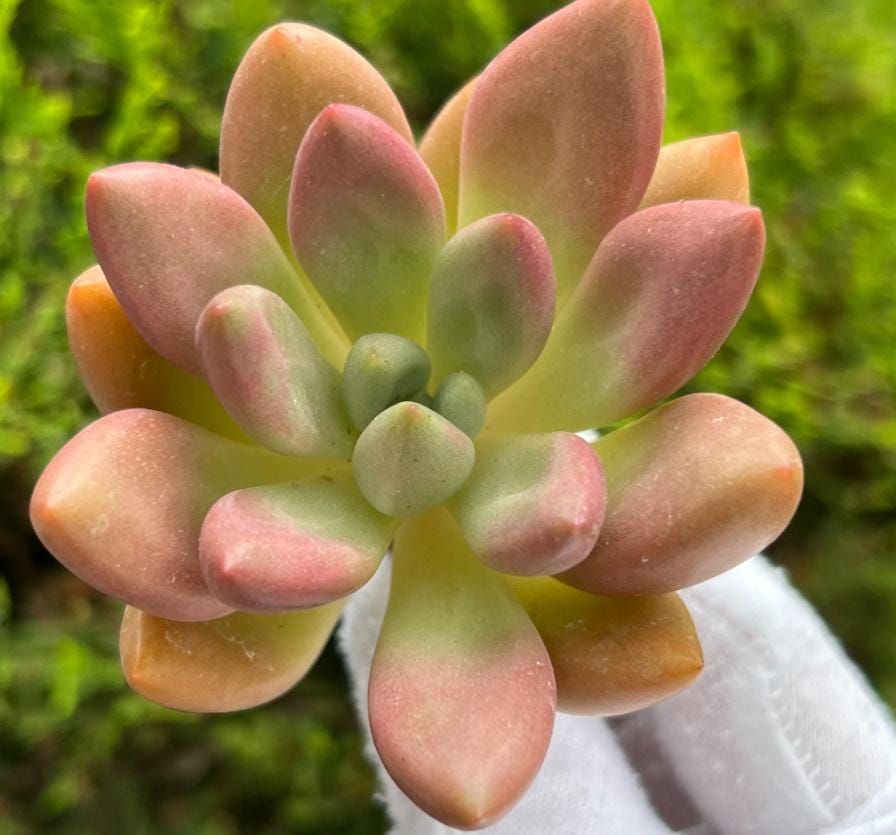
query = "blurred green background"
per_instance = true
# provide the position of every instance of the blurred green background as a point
(84, 83)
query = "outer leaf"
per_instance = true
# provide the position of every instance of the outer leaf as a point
(491, 305)
(440, 149)
(410, 459)
(122, 503)
(290, 73)
(292, 546)
(694, 488)
(705, 167)
(612, 655)
(168, 239)
(232, 663)
(533, 504)
(366, 221)
(564, 127)
(659, 298)
(266, 370)
(461, 694)
(120, 371)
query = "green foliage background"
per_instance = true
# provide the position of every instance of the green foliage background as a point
(84, 83)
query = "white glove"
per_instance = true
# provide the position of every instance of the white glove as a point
(780, 735)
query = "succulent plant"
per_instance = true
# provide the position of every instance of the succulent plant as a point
(346, 342)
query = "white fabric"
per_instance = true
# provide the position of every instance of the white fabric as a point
(781, 735)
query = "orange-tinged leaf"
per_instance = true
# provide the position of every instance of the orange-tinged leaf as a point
(701, 168)
(612, 655)
(121, 371)
(232, 663)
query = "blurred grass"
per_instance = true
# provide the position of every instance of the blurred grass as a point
(84, 83)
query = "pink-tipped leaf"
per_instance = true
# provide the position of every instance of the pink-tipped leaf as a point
(169, 239)
(290, 73)
(121, 506)
(662, 293)
(694, 488)
(266, 371)
(231, 663)
(292, 546)
(491, 303)
(462, 695)
(701, 168)
(564, 127)
(533, 504)
(366, 221)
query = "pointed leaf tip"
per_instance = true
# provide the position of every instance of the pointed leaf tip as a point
(533, 504)
(462, 695)
(366, 221)
(292, 546)
(700, 168)
(694, 488)
(289, 74)
(410, 459)
(564, 127)
(266, 371)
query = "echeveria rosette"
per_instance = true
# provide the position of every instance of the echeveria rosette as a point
(343, 344)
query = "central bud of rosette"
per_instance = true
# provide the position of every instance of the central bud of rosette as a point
(415, 449)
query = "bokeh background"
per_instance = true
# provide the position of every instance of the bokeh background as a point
(85, 83)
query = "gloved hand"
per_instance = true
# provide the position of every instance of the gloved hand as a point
(780, 735)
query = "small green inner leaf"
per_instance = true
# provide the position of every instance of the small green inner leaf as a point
(410, 459)
(382, 369)
(461, 399)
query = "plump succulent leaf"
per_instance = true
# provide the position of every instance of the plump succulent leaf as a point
(694, 488)
(702, 168)
(121, 371)
(290, 73)
(168, 239)
(382, 369)
(460, 399)
(612, 655)
(366, 221)
(231, 663)
(461, 696)
(266, 371)
(122, 503)
(491, 303)
(564, 127)
(533, 504)
(663, 291)
(440, 150)
(292, 546)
(410, 459)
